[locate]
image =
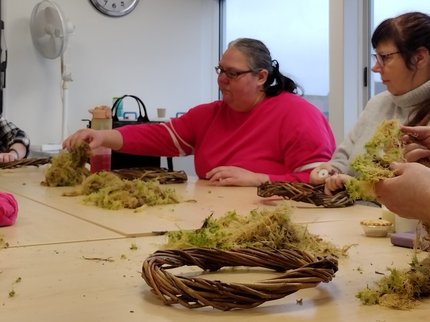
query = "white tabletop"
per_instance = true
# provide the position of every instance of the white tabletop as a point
(73, 269)
(199, 200)
(59, 284)
(38, 224)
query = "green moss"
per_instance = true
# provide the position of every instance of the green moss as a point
(3, 244)
(68, 169)
(383, 148)
(107, 190)
(259, 228)
(133, 246)
(400, 289)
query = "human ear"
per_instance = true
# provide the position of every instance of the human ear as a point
(421, 57)
(262, 76)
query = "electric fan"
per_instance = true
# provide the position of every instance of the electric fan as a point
(50, 32)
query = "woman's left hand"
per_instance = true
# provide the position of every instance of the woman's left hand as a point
(8, 157)
(235, 176)
(417, 142)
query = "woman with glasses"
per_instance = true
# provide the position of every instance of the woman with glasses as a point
(402, 58)
(261, 130)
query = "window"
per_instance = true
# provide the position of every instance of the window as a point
(296, 33)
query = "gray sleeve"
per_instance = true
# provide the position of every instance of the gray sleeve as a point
(376, 110)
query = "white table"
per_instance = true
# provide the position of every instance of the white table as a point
(51, 241)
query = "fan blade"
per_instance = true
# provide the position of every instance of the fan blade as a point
(38, 26)
(49, 46)
(52, 17)
(48, 29)
(52, 48)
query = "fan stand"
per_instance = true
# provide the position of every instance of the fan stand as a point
(66, 78)
(48, 20)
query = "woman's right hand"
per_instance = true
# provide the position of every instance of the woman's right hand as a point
(335, 182)
(93, 137)
(329, 176)
(319, 174)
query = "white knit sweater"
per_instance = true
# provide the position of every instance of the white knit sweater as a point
(383, 106)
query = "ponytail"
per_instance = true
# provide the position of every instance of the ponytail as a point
(276, 82)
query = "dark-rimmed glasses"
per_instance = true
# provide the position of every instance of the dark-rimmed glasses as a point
(381, 58)
(231, 74)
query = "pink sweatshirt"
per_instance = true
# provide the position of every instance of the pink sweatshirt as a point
(283, 136)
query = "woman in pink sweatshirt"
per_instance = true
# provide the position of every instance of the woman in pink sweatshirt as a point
(260, 131)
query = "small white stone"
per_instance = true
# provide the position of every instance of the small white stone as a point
(323, 173)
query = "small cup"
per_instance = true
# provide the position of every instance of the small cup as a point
(404, 225)
(389, 216)
(161, 113)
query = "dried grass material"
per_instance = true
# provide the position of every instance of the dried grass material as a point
(400, 289)
(3, 244)
(301, 271)
(68, 168)
(384, 147)
(260, 228)
(161, 175)
(304, 192)
(107, 190)
(24, 163)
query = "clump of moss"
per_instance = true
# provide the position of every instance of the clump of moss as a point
(107, 190)
(400, 289)
(382, 149)
(3, 244)
(260, 228)
(68, 169)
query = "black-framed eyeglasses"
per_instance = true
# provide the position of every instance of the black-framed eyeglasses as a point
(231, 74)
(381, 58)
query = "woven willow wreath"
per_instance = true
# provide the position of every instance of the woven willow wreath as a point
(306, 193)
(301, 271)
(145, 174)
(25, 162)
(162, 175)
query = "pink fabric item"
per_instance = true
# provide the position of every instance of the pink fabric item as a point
(8, 209)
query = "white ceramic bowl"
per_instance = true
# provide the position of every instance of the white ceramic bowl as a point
(376, 227)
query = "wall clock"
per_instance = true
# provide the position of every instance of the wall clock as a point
(115, 8)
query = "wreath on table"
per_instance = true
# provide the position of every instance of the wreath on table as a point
(300, 270)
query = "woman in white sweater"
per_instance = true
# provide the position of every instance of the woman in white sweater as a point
(402, 58)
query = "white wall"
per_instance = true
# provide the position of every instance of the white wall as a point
(163, 52)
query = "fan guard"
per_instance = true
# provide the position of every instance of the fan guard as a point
(50, 32)
(49, 29)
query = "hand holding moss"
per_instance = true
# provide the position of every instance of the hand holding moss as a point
(336, 182)
(408, 193)
(385, 147)
(320, 173)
